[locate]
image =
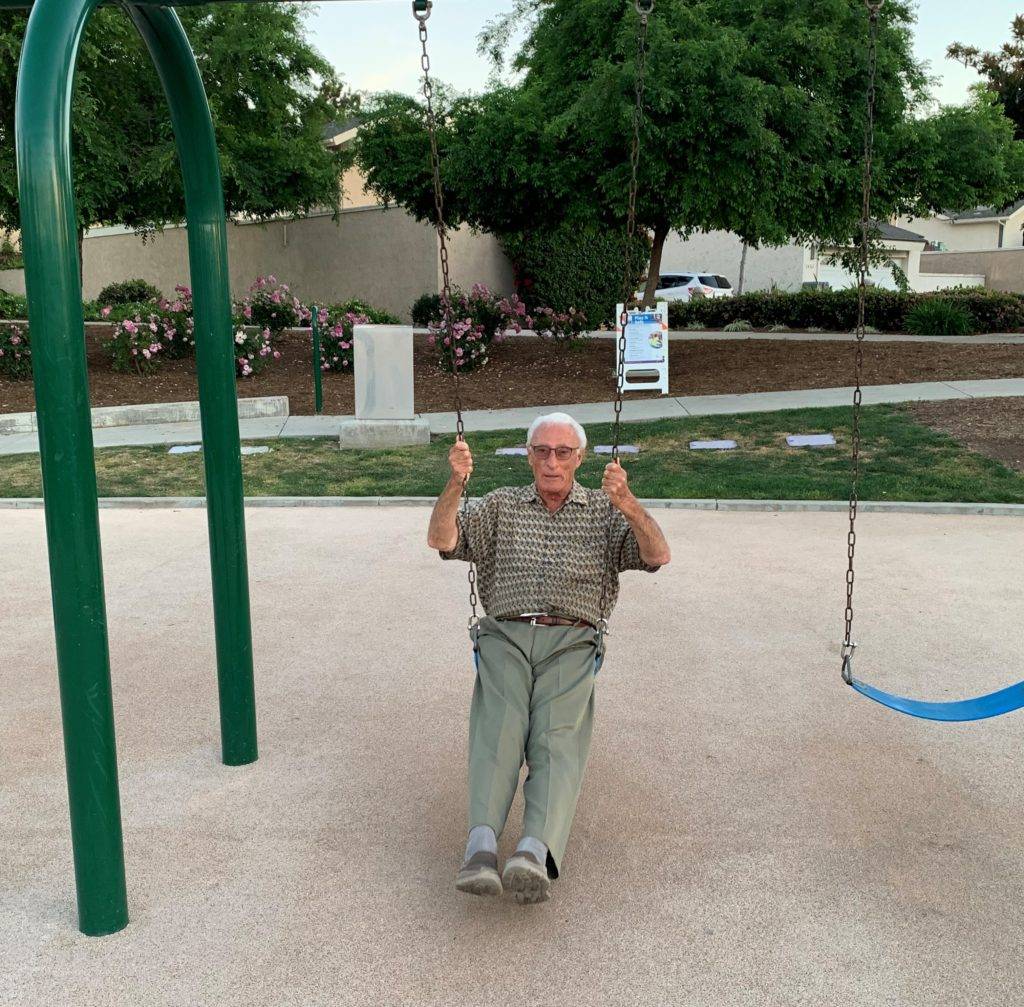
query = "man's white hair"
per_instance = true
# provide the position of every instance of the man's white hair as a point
(551, 418)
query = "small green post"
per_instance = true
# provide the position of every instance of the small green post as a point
(318, 378)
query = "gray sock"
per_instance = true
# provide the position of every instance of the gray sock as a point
(481, 837)
(530, 845)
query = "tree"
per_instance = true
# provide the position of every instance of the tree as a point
(270, 92)
(1003, 69)
(754, 116)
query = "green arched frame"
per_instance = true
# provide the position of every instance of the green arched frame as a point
(49, 240)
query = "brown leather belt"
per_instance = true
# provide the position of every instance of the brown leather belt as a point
(548, 620)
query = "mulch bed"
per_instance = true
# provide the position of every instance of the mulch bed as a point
(535, 372)
(992, 427)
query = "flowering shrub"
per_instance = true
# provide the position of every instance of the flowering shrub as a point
(179, 337)
(135, 345)
(478, 319)
(562, 325)
(253, 351)
(141, 341)
(15, 353)
(272, 306)
(336, 334)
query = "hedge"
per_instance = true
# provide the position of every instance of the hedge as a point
(573, 266)
(836, 310)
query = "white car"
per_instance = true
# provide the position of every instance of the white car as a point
(680, 286)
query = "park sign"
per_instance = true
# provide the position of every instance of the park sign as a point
(645, 354)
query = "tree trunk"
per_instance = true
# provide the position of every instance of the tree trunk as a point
(657, 247)
(743, 266)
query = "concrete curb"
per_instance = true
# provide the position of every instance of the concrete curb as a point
(154, 412)
(735, 506)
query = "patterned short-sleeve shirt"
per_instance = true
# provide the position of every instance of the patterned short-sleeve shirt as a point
(532, 560)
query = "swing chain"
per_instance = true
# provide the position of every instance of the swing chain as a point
(873, 6)
(629, 294)
(421, 11)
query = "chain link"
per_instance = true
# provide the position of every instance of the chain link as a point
(628, 292)
(422, 12)
(863, 265)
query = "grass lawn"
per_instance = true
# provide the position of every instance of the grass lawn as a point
(901, 460)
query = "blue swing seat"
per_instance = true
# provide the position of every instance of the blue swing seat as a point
(993, 704)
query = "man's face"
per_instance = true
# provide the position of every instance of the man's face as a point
(554, 474)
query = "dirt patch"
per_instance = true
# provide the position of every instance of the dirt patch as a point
(992, 427)
(534, 372)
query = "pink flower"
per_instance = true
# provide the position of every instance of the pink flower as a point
(276, 297)
(146, 354)
(247, 311)
(130, 327)
(277, 354)
(105, 313)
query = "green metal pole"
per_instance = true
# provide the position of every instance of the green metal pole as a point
(50, 244)
(175, 63)
(318, 378)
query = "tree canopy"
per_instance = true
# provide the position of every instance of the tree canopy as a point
(754, 117)
(1003, 70)
(271, 95)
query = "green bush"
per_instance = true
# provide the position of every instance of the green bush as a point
(13, 305)
(836, 310)
(129, 292)
(939, 317)
(425, 309)
(15, 353)
(372, 315)
(740, 325)
(574, 267)
(10, 257)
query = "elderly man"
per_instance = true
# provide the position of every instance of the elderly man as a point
(544, 565)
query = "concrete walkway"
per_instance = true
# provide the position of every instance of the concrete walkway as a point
(750, 832)
(587, 413)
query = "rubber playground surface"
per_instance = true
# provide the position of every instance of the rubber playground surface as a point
(750, 831)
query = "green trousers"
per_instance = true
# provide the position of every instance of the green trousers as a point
(533, 699)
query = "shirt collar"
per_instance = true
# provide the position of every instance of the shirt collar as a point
(577, 494)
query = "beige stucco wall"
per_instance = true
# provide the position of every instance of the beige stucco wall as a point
(478, 258)
(957, 237)
(380, 255)
(13, 281)
(1002, 268)
(720, 252)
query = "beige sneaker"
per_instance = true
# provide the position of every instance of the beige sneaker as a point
(527, 878)
(479, 875)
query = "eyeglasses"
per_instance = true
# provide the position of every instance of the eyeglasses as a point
(543, 452)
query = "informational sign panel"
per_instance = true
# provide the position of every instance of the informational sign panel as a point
(646, 359)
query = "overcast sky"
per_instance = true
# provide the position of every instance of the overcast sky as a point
(373, 43)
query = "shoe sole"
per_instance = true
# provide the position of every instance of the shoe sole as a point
(479, 882)
(527, 884)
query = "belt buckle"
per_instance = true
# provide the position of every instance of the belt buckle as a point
(533, 617)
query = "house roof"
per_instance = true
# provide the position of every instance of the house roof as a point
(893, 233)
(984, 212)
(333, 129)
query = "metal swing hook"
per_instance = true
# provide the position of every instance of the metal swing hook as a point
(421, 9)
(848, 649)
(873, 6)
(644, 7)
